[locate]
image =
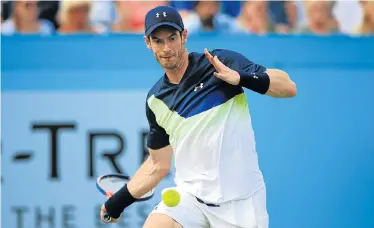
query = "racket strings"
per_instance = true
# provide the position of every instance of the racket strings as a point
(112, 184)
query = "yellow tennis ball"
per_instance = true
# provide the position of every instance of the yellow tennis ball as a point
(170, 197)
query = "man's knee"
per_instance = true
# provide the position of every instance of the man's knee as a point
(161, 221)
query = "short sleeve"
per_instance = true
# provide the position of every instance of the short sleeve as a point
(238, 62)
(157, 137)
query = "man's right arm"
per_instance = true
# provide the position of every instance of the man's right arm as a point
(153, 170)
(157, 165)
(146, 178)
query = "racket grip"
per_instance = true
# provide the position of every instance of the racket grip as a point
(106, 218)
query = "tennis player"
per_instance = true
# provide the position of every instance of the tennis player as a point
(199, 112)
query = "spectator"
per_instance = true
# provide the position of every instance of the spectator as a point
(207, 18)
(5, 6)
(231, 8)
(102, 14)
(320, 18)
(123, 17)
(290, 8)
(24, 20)
(184, 7)
(349, 14)
(283, 15)
(48, 11)
(131, 14)
(74, 17)
(255, 17)
(367, 24)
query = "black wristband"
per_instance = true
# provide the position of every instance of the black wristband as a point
(118, 202)
(258, 82)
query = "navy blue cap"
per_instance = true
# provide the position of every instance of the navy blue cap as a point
(162, 15)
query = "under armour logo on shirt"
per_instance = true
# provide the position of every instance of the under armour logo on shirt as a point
(254, 76)
(163, 14)
(199, 86)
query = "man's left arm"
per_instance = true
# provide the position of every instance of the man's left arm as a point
(271, 82)
(281, 84)
(242, 72)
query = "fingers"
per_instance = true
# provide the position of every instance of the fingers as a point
(219, 63)
(213, 60)
(218, 75)
(108, 195)
(209, 56)
(102, 209)
(103, 212)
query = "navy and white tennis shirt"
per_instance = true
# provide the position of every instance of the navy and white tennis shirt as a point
(207, 123)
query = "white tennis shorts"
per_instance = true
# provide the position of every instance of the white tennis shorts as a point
(245, 213)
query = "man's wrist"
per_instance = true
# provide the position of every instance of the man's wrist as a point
(118, 202)
(258, 82)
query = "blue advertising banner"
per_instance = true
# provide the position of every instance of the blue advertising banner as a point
(59, 147)
(73, 108)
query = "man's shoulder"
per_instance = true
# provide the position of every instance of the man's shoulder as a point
(225, 53)
(229, 57)
(156, 87)
(216, 51)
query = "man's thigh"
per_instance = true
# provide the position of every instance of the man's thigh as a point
(186, 214)
(161, 221)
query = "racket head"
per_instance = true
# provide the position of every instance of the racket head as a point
(111, 183)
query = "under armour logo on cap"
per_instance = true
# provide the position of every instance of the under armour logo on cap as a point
(163, 14)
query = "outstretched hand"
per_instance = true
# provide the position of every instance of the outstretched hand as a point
(223, 72)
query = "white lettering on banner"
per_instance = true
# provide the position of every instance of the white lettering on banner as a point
(54, 147)
(48, 218)
(66, 216)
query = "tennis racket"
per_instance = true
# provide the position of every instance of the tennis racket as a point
(111, 183)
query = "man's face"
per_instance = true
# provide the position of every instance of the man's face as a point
(368, 7)
(79, 14)
(207, 9)
(27, 10)
(257, 11)
(168, 47)
(318, 12)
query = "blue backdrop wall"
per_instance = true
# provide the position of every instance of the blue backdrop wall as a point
(316, 150)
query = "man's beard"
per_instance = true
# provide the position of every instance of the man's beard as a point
(174, 65)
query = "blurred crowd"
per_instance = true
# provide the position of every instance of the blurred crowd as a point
(354, 17)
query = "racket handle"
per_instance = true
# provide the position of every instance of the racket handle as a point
(106, 218)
